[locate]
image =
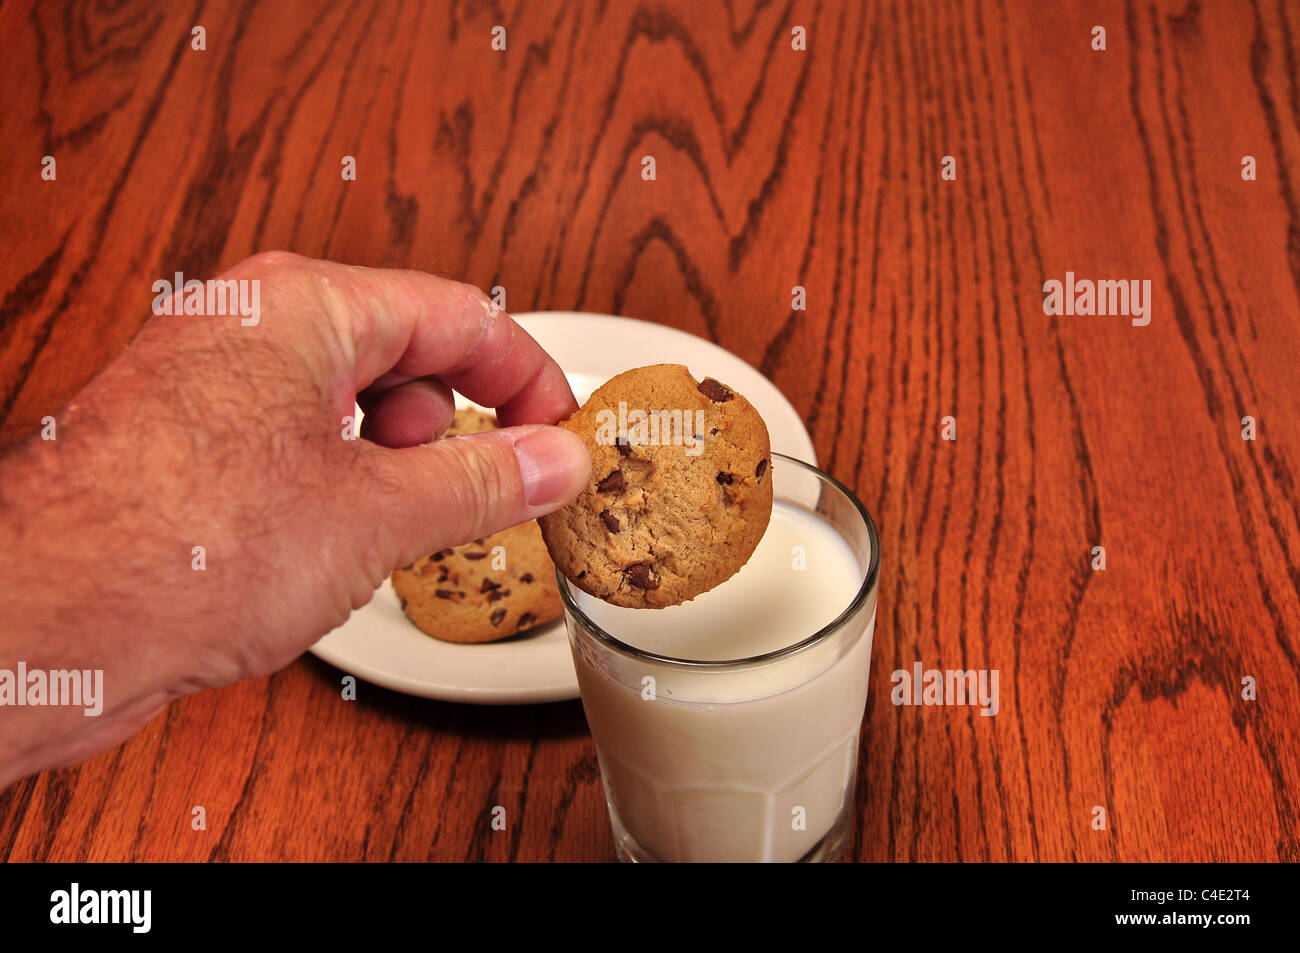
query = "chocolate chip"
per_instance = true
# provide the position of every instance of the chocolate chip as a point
(440, 554)
(403, 602)
(624, 448)
(526, 577)
(481, 541)
(716, 392)
(641, 576)
(611, 521)
(614, 483)
(496, 594)
(726, 479)
(489, 585)
(497, 617)
(581, 574)
(443, 573)
(713, 431)
(475, 555)
(444, 593)
(525, 621)
(760, 469)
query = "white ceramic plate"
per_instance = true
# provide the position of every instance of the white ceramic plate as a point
(380, 645)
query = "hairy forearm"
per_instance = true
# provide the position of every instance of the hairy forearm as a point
(98, 576)
(150, 539)
(62, 565)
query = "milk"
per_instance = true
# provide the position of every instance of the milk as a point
(750, 763)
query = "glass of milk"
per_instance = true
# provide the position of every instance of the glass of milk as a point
(727, 727)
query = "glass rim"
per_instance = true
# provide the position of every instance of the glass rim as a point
(864, 592)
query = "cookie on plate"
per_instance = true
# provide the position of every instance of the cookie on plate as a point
(680, 492)
(486, 590)
(469, 420)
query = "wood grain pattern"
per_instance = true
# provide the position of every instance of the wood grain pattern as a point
(775, 168)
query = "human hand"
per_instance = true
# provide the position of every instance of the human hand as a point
(209, 433)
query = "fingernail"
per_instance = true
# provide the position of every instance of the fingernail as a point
(554, 465)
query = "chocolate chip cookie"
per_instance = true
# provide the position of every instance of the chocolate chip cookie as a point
(485, 590)
(468, 420)
(680, 494)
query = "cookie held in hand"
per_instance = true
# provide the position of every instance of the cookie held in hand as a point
(680, 492)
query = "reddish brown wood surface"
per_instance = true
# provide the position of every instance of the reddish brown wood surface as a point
(776, 168)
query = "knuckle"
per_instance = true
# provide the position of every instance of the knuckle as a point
(478, 300)
(275, 261)
(283, 275)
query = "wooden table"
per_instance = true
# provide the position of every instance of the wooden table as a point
(775, 167)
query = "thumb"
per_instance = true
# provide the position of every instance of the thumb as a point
(460, 488)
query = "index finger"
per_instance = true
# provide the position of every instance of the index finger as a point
(420, 325)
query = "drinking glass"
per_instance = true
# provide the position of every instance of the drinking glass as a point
(751, 758)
